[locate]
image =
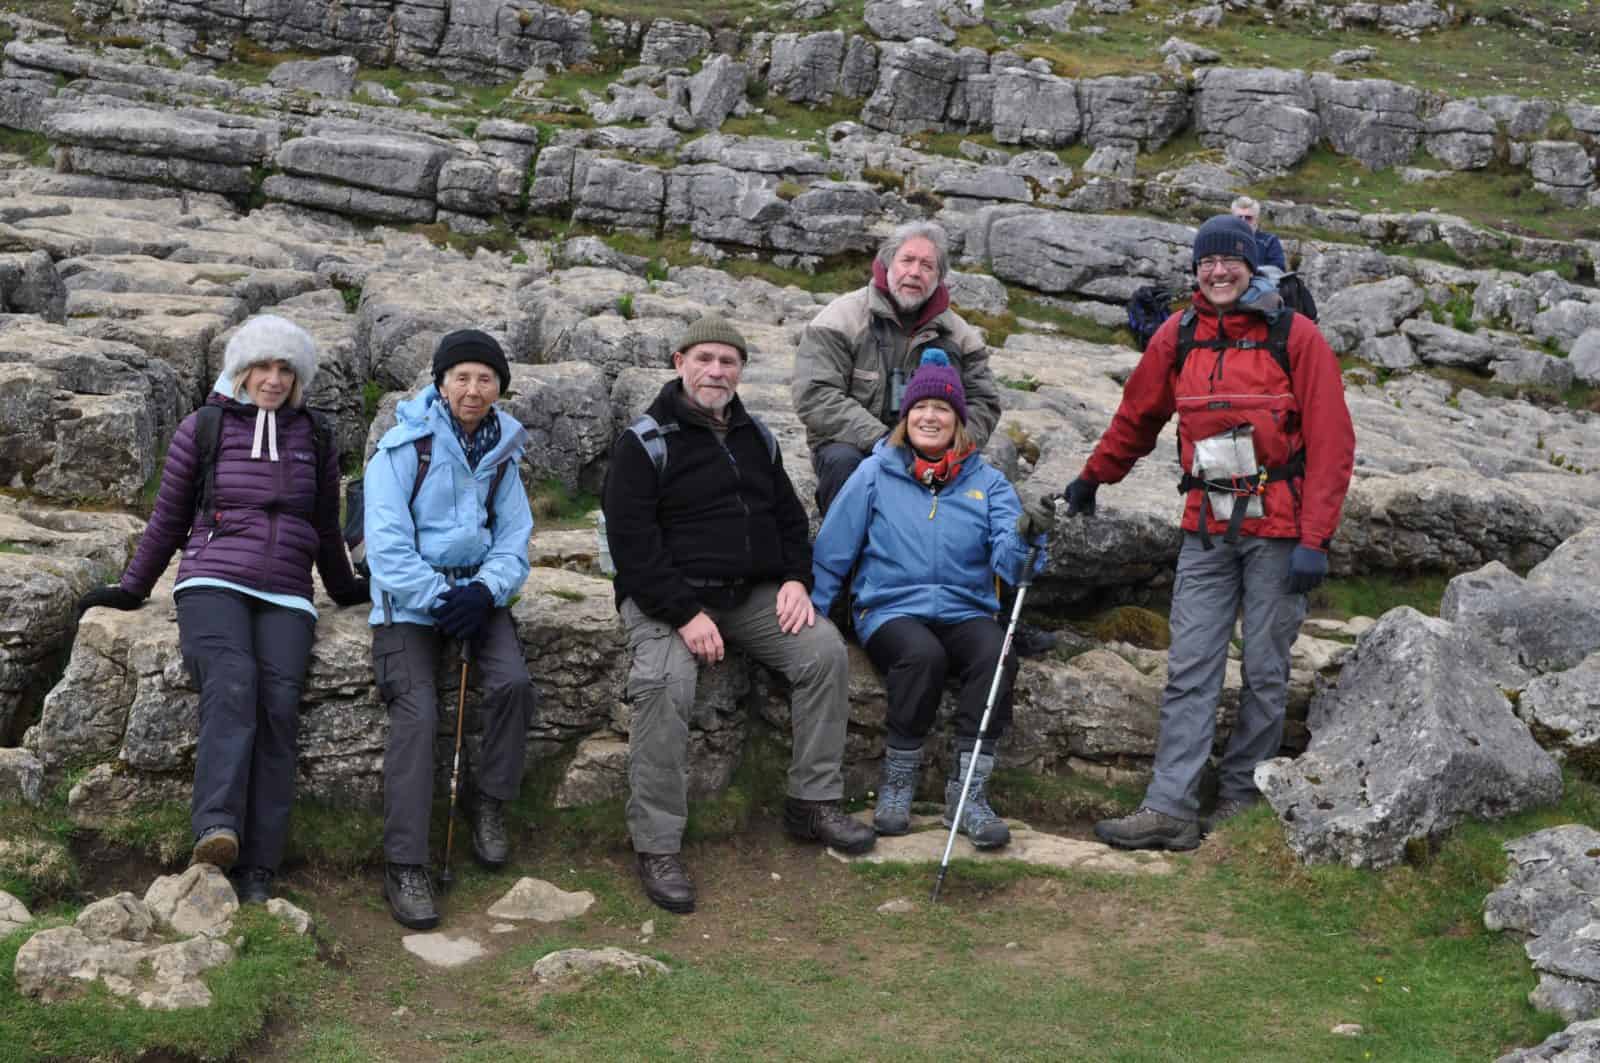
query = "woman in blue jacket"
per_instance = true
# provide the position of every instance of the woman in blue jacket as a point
(447, 527)
(927, 524)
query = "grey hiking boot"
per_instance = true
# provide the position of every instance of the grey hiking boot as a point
(409, 892)
(901, 769)
(825, 822)
(1149, 829)
(979, 822)
(218, 846)
(489, 843)
(1226, 809)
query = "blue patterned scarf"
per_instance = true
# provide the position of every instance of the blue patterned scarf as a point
(476, 444)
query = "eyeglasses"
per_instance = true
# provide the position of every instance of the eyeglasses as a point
(1213, 262)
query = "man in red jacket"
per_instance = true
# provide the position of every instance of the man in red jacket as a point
(1267, 448)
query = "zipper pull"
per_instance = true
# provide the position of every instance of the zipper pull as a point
(935, 508)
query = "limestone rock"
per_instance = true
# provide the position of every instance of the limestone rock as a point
(199, 900)
(295, 918)
(1266, 118)
(1447, 748)
(443, 950)
(1377, 122)
(534, 898)
(333, 77)
(570, 964)
(903, 20)
(14, 914)
(122, 916)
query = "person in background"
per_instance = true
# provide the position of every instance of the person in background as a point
(1269, 249)
(252, 517)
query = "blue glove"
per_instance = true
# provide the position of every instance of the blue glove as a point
(462, 611)
(1080, 497)
(1307, 569)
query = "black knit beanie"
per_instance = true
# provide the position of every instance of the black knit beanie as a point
(470, 345)
(1227, 235)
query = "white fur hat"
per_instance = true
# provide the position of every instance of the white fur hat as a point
(270, 338)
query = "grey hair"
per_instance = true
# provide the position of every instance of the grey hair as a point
(930, 231)
(1245, 203)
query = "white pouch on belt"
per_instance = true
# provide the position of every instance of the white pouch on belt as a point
(1225, 457)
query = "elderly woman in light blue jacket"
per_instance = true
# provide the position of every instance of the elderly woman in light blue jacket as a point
(927, 524)
(447, 527)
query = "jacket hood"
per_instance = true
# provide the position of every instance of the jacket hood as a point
(425, 414)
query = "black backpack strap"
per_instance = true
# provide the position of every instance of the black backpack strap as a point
(766, 437)
(424, 449)
(494, 489)
(207, 439)
(1278, 329)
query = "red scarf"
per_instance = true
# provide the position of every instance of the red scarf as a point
(938, 473)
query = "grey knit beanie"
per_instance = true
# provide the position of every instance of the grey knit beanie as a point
(270, 338)
(713, 329)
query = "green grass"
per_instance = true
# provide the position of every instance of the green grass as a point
(1498, 198)
(273, 971)
(793, 121)
(34, 147)
(1243, 954)
(1373, 596)
(555, 507)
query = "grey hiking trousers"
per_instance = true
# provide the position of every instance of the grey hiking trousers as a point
(404, 657)
(661, 684)
(1213, 587)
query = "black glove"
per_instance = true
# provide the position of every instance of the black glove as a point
(462, 611)
(1037, 518)
(1307, 569)
(1080, 497)
(111, 596)
(360, 593)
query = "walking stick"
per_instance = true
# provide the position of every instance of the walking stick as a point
(446, 879)
(983, 724)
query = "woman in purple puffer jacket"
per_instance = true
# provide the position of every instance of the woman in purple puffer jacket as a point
(245, 618)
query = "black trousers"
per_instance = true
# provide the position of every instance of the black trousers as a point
(248, 657)
(833, 463)
(915, 656)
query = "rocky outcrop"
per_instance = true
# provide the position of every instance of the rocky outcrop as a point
(1411, 741)
(1551, 896)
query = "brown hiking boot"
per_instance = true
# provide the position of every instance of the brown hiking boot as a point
(218, 846)
(822, 821)
(666, 882)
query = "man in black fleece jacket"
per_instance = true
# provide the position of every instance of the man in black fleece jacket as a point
(711, 547)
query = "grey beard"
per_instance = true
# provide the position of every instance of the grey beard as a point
(906, 304)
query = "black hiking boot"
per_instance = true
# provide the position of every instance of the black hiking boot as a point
(253, 885)
(821, 821)
(409, 892)
(666, 882)
(1149, 829)
(218, 846)
(1031, 641)
(489, 843)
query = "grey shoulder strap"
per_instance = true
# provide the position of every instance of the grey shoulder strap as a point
(651, 436)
